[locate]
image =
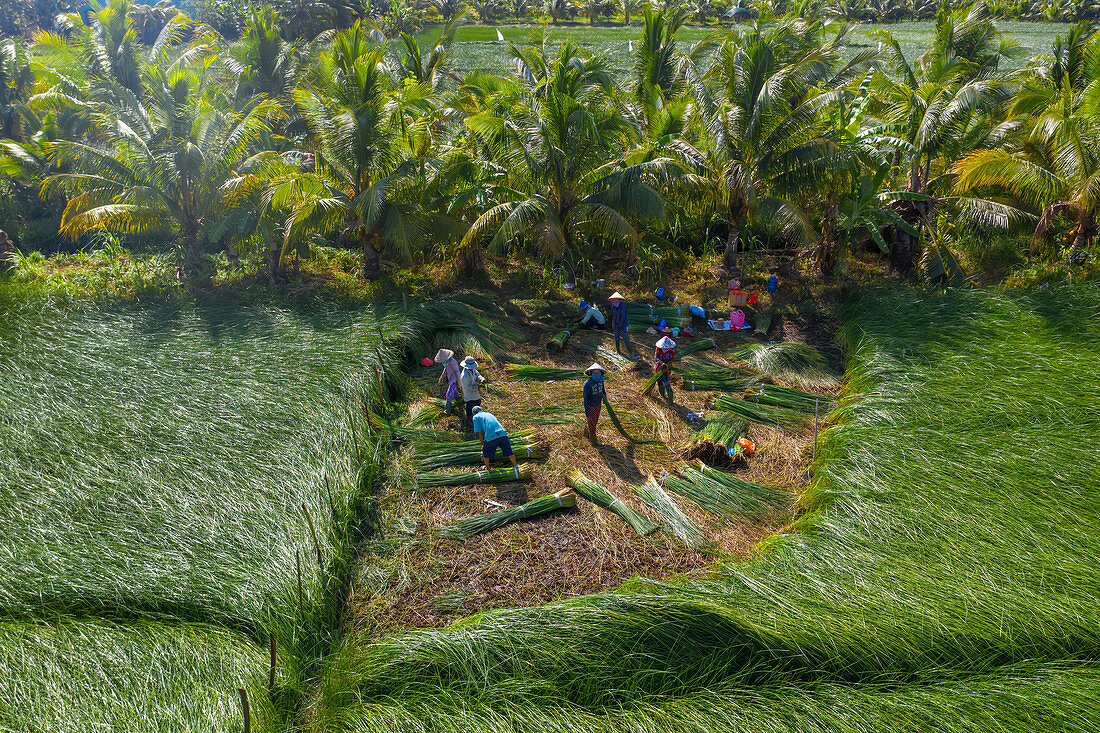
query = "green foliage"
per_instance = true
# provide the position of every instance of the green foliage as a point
(469, 527)
(600, 496)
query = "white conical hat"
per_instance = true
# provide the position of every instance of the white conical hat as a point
(666, 343)
(615, 295)
(443, 356)
(469, 363)
(596, 367)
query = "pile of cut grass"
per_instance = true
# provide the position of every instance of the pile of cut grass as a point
(674, 520)
(724, 494)
(600, 496)
(790, 361)
(469, 527)
(790, 398)
(750, 411)
(430, 455)
(944, 578)
(543, 374)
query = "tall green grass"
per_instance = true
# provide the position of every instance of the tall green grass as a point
(144, 677)
(943, 580)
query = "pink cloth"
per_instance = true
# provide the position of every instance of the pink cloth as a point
(452, 371)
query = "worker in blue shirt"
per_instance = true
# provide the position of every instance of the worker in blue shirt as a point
(492, 436)
(594, 395)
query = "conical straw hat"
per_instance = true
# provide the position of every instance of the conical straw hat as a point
(596, 366)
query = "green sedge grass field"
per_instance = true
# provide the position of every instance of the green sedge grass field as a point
(153, 464)
(476, 48)
(944, 578)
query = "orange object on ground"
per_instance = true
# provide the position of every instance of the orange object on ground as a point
(738, 298)
(747, 446)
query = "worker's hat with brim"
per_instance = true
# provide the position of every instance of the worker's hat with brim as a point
(596, 367)
(443, 356)
(666, 343)
(469, 363)
(616, 296)
(583, 305)
(476, 409)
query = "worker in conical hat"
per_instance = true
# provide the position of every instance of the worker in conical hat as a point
(620, 324)
(470, 380)
(663, 355)
(594, 395)
(451, 372)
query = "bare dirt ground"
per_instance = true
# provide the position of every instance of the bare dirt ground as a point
(411, 577)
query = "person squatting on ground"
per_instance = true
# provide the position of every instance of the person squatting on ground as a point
(493, 435)
(620, 323)
(662, 364)
(451, 372)
(471, 381)
(594, 395)
(591, 316)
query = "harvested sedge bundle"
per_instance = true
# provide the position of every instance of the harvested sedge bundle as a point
(600, 496)
(557, 342)
(763, 321)
(674, 520)
(791, 399)
(619, 426)
(407, 433)
(760, 414)
(790, 361)
(543, 374)
(467, 478)
(712, 442)
(700, 345)
(649, 384)
(723, 494)
(431, 455)
(464, 529)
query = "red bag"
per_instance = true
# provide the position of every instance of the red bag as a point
(752, 298)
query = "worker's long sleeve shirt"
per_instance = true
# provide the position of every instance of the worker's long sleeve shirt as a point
(619, 320)
(452, 371)
(593, 392)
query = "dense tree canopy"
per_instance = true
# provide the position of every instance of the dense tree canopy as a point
(140, 120)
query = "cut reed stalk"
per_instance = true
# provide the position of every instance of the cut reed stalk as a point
(472, 526)
(432, 455)
(760, 414)
(543, 374)
(600, 496)
(691, 348)
(723, 494)
(469, 478)
(674, 520)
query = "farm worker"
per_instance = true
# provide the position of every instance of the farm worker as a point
(451, 373)
(662, 364)
(594, 395)
(590, 315)
(620, 323)
(470, 381)
(492, 436)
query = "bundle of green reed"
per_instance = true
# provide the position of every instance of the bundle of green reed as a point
(557, 341)
(543, 374)
(760, 414)
(600, 496)
(712, 442)
(763, 321)
(467, 478)
(433, 454)
(700, 345)
(717, 379)
(409, 432)
(464, 529)
(675, 521)
(723, 494)
(791, 399)
(649, 384)
(605, 354)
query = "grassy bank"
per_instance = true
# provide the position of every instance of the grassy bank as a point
(946, 580)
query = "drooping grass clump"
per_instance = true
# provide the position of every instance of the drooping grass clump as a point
(430, 455)
(790, 361)
(600, 496)
(778, 417)
(717, 379)
(469, 478)
(464, 529)
(943, 579)
(691, 347)
(677, 523)
(724, 494)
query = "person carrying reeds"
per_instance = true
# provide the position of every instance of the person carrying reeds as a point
(620, 322)
(451, 372)
(663, 356)
(470, 381)
(492, 436)
(593, 395)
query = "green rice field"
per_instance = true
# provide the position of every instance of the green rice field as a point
(944, 579)
(154, 463)
(477, 49)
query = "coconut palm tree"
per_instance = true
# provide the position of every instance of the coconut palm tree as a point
(363, 126)
(559, 181)
(1051, 166)
(763, 142)
(167, 163)
(629, 7)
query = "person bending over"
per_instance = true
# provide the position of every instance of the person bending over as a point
(492, 436)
